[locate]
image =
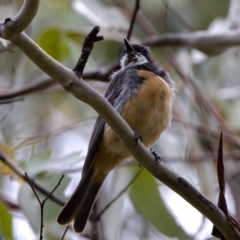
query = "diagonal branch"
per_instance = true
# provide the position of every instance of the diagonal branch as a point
(76, 86)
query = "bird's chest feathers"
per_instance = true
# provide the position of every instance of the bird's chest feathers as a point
(149, 111)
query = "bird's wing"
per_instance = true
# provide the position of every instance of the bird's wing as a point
(111, 94)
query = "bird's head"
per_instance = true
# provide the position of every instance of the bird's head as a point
(134, 54)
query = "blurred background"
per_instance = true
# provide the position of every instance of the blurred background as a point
(45, 131)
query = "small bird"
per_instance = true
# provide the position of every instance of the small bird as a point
(143, 94)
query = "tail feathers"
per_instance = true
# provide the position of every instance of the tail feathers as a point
(71, 207)
(84, 210)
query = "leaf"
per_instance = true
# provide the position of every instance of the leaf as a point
(5, 222)
(41, 162)
(148, 202)
(53, 42)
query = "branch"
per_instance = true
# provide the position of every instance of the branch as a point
(43, 84)
(143, 22)
(21, 174)
(38, 85)
(222, 203)
(42, 203)
(11, 100)
(10, 28)
(177, 15)
(12, 205)
(136, 8)
(86, 50)
(207, 42)
(63, 236)
(76, 86)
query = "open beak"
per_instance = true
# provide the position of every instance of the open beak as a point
(129, 46)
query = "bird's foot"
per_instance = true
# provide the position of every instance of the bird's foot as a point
(158, 159)
(137, 138)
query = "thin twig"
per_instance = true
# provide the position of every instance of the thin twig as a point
(165, 13)
(177, 15)
(118, 196)
(87, 47)
(143, 22)
(137, 5)
(96, 232)
(38, 85)
(63, 236)
(43, 84)
(11, 100)
(3, 117)
(30, 183)
(11, 204)
(222, 203)
(43, 202)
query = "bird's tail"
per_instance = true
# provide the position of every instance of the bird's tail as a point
(81, 217)
(80, 204)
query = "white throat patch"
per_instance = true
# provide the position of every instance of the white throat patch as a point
(138, 60)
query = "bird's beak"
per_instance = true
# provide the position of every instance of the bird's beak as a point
(129, 46)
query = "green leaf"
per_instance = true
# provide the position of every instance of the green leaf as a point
(148, 202)
(53, 42)
(5, 222)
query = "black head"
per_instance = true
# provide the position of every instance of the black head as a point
(134, 54)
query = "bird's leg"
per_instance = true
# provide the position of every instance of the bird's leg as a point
(158, 159)
(137, 138)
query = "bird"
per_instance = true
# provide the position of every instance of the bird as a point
(142, 93)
